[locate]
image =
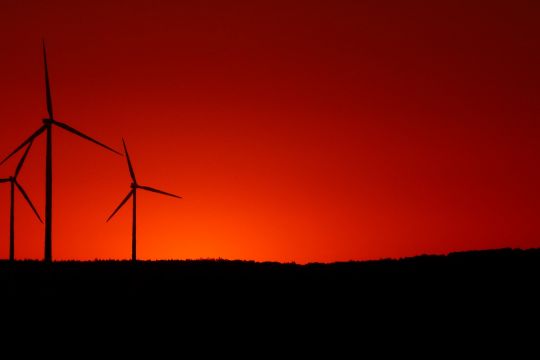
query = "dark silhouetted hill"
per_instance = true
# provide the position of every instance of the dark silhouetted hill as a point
(462, 295)
(464, 276)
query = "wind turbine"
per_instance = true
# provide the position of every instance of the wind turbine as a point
(47, 127)
(14, 183)
(133, 193)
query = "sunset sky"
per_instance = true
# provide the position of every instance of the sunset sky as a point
(307, 131)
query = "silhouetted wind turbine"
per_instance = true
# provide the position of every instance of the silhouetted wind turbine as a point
(48, 126)
(15, 183)
(133, 193)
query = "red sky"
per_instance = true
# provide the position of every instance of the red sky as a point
(295, 130)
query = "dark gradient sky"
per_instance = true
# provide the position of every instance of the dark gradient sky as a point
(296, 130)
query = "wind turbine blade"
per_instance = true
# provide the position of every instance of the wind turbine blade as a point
(47, 83)
(121, 204)
(148, 188)
(21, 162)
(28, 200)
(131, 172)
(30, 139)
(4, 180)
(78, 133)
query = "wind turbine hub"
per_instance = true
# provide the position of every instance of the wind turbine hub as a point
(47, 121)
(133, 185)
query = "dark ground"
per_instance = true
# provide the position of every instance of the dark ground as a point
(466, 296)
(462, 276)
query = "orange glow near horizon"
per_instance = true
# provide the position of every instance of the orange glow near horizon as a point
(305, 131)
